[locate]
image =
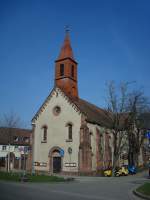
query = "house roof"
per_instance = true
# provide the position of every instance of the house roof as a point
(7, 135)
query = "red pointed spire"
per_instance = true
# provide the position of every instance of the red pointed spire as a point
(66, 50)
(66, 69)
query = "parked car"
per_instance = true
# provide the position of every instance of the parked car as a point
(132, 169)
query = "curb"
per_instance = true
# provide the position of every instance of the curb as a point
(69, 179)
(141, 195)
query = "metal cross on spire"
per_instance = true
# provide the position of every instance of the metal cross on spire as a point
(67, 29)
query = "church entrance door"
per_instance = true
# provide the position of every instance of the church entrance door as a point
(56, 164)
(56, 159)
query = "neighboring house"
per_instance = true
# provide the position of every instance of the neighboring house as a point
(15, 149)
(145, 117)
(141, 140)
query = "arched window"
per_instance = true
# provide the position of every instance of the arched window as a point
(69, 127)
(70, 131)
(73, 91)
(44, 134)
(72, 70)
(61, 69)
(90, 135)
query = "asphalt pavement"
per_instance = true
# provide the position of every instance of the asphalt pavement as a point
(90, 188)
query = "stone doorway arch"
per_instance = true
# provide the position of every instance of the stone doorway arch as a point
(55, 160)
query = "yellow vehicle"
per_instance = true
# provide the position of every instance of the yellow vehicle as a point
(108, 172)
(123, 171)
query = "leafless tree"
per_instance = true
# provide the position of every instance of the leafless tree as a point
(124, 115)
(10, 120)
(137, 105)
(116, 113)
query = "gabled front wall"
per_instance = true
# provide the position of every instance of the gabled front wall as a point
(57, 133)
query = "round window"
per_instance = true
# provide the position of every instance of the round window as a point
(56, 110)
(69, 150)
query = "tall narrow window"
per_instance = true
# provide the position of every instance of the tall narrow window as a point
(4, 147)
(72, 70)
(61, 69)
(44, 134)
(70, 131)
(16, 139)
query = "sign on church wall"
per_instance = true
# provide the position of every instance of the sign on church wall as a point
(70, 164)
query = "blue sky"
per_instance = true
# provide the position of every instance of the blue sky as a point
(110, 40)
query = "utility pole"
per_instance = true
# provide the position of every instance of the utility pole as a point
(8, 161)
(32, 146)
(9, 141)
(24, 167)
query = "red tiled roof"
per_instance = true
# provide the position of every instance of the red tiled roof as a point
(66, 50)
(7, 135)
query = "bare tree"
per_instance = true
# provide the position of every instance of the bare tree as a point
(10, 120)
(137, 105)
(117, 101)
(124, 113)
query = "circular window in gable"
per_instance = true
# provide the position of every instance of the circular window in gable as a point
(56, 110)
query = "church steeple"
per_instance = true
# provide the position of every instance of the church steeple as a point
(66, 50)
(66, 69)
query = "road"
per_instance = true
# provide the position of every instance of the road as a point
(84, 188)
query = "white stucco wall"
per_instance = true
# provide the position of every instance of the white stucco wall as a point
(57, 132)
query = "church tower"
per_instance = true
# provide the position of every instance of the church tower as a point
(66, 69)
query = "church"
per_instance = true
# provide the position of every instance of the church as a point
(70, 135)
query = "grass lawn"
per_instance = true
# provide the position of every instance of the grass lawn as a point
(9, 176)
(31, 178)
(144, 189)
(44, 178)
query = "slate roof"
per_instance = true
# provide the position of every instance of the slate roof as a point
(93, 113)
(7, 135)
(105, 118)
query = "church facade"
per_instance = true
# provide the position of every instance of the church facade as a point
(70, 135)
